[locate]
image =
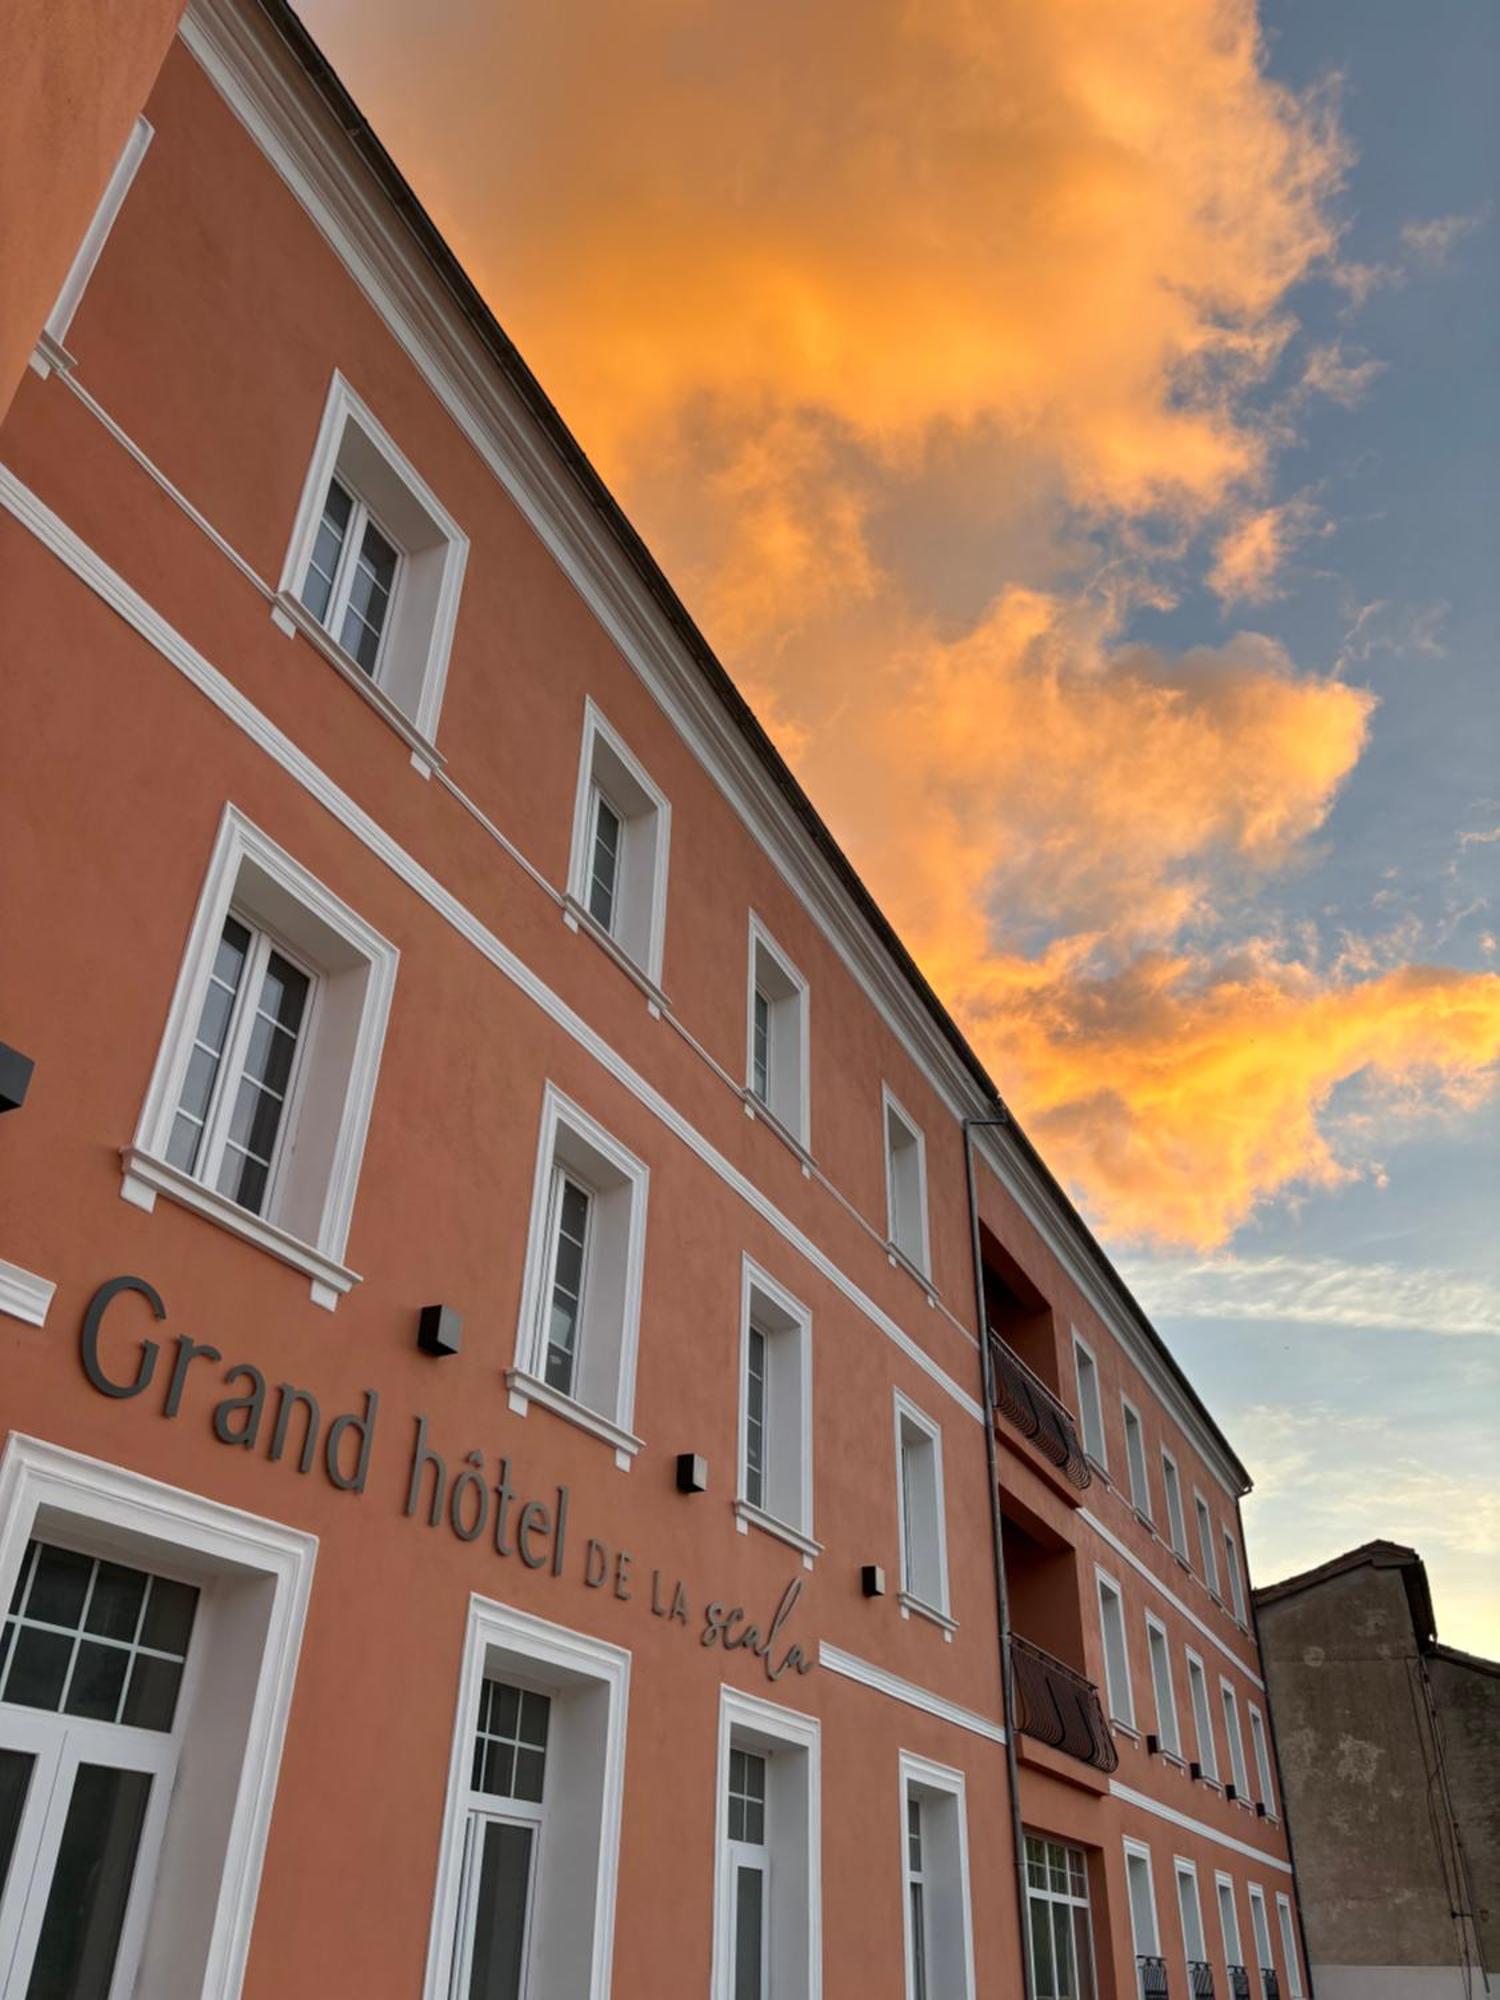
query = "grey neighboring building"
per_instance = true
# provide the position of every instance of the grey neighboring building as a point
(1390, 1761)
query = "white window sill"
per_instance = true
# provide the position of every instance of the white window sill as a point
(1146, 1522)
(914, 1607)
(49, 354)
(25, 1296)
(1212, 1783)
(577, 918)
(1181, 1561)
(146, 1177)
(1099, 1467)
(291, 615)
(1172, 1757)
(1126, 1729)
(526, 1389)
(750, 1516)
(756, 1108)
(899, 1258)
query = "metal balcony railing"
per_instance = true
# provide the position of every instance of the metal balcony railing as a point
(1024, 1400)
(1153, 1978)
(1058, 1706)
(1270, 1984)
(1239, 1983)
(1200, 1979)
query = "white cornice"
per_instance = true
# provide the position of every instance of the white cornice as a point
(265, 87)
(23, 1295)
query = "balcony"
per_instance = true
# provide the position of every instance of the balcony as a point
(1200, 1979)
(1270, 1984)
(1025, 1401)
(1059, 1707)
(1239, 1983)
(1152, 1973)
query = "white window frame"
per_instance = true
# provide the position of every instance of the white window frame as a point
(1168, 1727)
(607, 766)
(1205, 1518)
(339, 1059)
(577, 1867)
(945, 1875)
(788, 1099)
(786, 1509)
(1239, 1774)
(1236, 1575)
(909, 1418)
(791, 1742)
(254, 1577)
(432, 550)
(1289, 1944)
(910, 1237)
(1138, 1850)
(1136, 1467)
(1230, 1932)
(52, 350)
(1171, 1477)
(610, 1319)
(1090, 1405)
(1261, 1748)
(1260, 1928)
(1203, 1718)
(1184, 1870)
(1108, 1589)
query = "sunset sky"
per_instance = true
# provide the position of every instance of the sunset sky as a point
(1074, 426)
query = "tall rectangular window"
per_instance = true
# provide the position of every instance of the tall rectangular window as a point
(604, 860)
(1151, 1982)
(749, 1869)
(1135, 1460)
(1172, 1487)
(1057, 1903)
(1090, 1410)
(767, 1894)
(775, 1489)
(1260, 1930)
(1229, 1925)
(351, 576)
(1236, 1742)
(1289, 1946)
(622, 825)
(917, 1981)
(568, 1229)
(502, 1839)
(1234, 1577)
(1262, 1754)
(776, 1065)
(1116, 1653)
(906, 1185)
(1203, 1726)
(919, 1471)
(1194, 1945)
(934, 1848)
(1161, 1687)
(1206, 1543)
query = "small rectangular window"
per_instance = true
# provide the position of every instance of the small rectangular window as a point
(906, 1185)
(1260, 1929)
(622, 826)
(1234, 1576)
(775, 1490)
(1135, 1460)
(1206, 1543)
(1116, 1652)
(1172, 1487)
(1161, 1687)
(919, 1465)
(1289, 1946)
(1090, 1411)
(1203, 1724)
(1236, 1742)
(1262, 1760)
(776, 1062)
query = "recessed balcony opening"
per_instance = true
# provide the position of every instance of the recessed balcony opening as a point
(1056, 1703)
(1023, 1355)
(1017, 1312)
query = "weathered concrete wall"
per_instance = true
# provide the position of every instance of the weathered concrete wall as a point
(1345, 1679)
(1468, 1704)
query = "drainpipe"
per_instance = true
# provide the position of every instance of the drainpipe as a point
(1002, 1595)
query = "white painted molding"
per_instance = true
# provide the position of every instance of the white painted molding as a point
(773, 1727)
(882, 1681)
(25, 1296)
(943, 1779)
(1174, 1818)
(1145, 1570)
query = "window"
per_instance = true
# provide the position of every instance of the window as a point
(1260, 1929)
(1135, 1460)
(919, 1472)
(1206, 1543)
(1289, 1946)
(1090, 1414)
(906, 1185)
(1116, 1654)
(777, 1058)
(375, 565)
(767, 1892)
(622, 825)
(1235, 1741)
(258, 1106)
(1203, 1728)
(1057, 1902)
(775, 1489)
(1262, 1760)
(581, 1294)
(1161, 1687)
(1172, 1485)
(97, 235)
(531, 1832)
(934, 1846)
(1194, 1947)
(1143, 1929)
(1235, 1578)
(1229, 1921)
(136, 1770)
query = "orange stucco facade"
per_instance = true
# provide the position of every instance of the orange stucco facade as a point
(151, 488)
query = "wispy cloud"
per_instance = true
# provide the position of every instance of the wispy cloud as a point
(1328, 373)
(1311, 1291)
(1433, 242)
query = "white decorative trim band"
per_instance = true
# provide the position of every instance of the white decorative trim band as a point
(23, 1295)
(1174, 1818)
(883, 1682)
(1145, 1570)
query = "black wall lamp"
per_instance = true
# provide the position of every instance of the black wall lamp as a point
(692, 1472)
(440, 1330)
(15, 1077)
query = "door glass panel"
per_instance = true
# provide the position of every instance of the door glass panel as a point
(80, 1936)
(749, 1908)
(498, 1959)
(15, 1782)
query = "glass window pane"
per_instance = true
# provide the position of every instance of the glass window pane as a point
(317, 587)
(115, 1607)
(15, 1783)
(59, 1586)
(169, 1615)
(152, 1700)
(98, 1682)
(918, 1943)
(498, 1960)
(530, 1767)
(535, 1714)
(1043, 1971)
(244, 1180)
(38, 1668)
(749, 1906)
(75, 1955)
